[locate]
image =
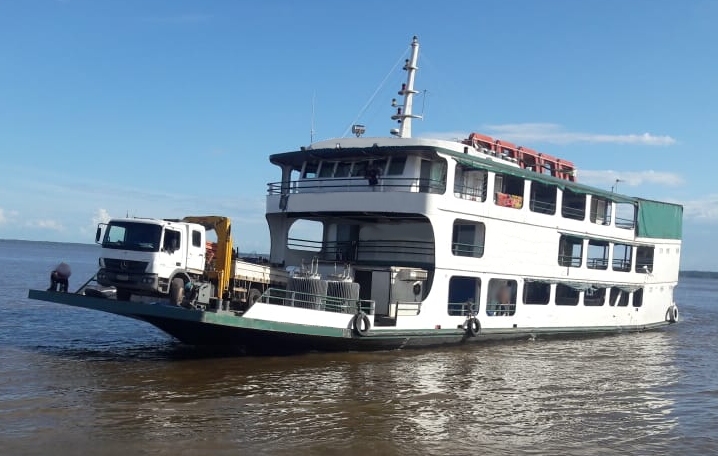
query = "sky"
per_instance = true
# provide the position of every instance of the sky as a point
(171, 107)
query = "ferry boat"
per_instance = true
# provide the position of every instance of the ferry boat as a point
(428, 242)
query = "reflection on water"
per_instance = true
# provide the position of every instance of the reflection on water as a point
(543, 396)
(75, 381)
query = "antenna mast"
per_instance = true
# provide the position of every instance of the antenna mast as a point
(404, 114)
(311, 128)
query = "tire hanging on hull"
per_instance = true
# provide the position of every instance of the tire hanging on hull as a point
(361, 324)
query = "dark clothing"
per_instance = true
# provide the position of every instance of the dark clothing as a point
(55, 280)
(59, 277)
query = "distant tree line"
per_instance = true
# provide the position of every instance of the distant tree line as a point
(699, 274)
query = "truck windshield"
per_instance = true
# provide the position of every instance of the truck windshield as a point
(132, 236)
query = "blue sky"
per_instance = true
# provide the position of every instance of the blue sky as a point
(170, 108)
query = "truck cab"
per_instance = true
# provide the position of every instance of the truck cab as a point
(143, 256)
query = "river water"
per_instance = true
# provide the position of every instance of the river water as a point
(74, 381)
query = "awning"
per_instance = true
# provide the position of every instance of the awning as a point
(481, 163)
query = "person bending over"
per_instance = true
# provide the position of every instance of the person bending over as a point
(59, 277)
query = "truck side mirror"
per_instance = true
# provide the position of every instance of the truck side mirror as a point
(98, 233)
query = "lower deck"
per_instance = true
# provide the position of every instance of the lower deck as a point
(277, 328)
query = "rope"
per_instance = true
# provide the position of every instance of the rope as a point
(376, 92)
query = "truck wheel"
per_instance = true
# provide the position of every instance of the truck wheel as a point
(123, 295)
(253, 296)
(176, 291)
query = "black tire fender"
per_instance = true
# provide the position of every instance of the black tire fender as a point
(473, 327)
(361, 324)
(673, 314)
(176, 291)
(253, 296)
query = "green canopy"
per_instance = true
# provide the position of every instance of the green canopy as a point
(474, 162)
(659, 220)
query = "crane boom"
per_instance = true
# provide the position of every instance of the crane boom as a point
(222, 226)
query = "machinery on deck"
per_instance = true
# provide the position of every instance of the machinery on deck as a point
(174, 259)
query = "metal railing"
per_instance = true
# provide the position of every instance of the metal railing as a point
(569, 261)
(281, 297)
(573, 213)
(501, 310)
(463, 308)
(597, 263)
(624, 223)
(622, 265)
(467, 250)
(470, 193)
(600, 217)
(365, 249)
(542, 207)
(357, 184)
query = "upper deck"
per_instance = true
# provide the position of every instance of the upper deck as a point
(424, 176)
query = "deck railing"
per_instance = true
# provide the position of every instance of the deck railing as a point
(365, 249)
(626, 224)
(281, 297)
(357, 184)
(569, 261)
(597, 263)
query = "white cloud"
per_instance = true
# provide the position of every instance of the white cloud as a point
(557, 134)
(548, 133)
(7, 217)
(705, 209)
(46, 224)
(630, 178)
(100, 216)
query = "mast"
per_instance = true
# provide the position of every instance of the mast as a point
(404, 113)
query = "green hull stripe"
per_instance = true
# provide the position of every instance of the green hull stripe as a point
(144, 311)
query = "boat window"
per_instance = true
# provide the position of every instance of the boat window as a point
(638, 298)
(508, 191)
(566, 296)
(618, 297)
(470, 183)
(625, 215)
(359, 169)
(622, 257)
(326, 169)
(594, 297)
(196, 238)
(380, 165)
(600, 210)
(342, 169)
(644, 259)
(310, 170)
(537, 292)
(396, 166)
(573, 205)
(464, 295)
(501, 298)
(468, 238)
(306, 235)
(597, 255)
(570, 251)
(543, 198)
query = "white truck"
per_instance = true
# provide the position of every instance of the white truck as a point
(172, 258)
